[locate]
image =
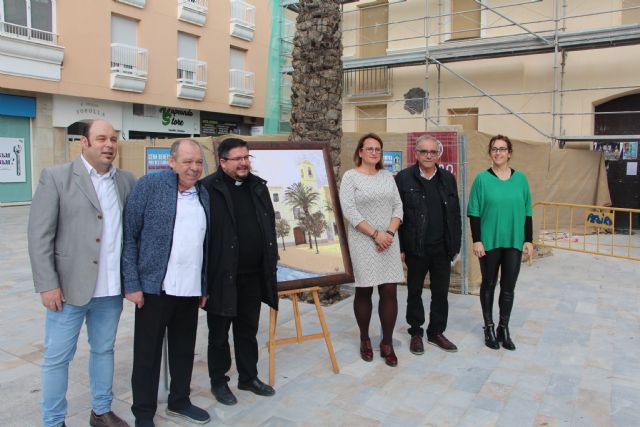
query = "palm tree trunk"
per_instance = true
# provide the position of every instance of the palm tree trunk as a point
(316, 99)
(316, 93)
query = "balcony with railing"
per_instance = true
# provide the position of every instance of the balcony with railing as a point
(136, 3)
(29, 52)
(241, 88)
(193, 11)
(367, 82)
(243, 20)
(192, 79)
(128, 67)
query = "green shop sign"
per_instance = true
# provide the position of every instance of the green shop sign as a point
(174, 116)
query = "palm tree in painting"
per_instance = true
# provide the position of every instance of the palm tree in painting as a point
(302, 197)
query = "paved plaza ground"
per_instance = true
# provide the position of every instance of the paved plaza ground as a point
(576, 323)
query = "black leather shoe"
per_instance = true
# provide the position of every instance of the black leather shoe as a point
(490, 337)
(257, 387)
(223, 394)
(503, 336)
(191, 413)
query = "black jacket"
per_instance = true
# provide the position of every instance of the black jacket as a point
(223, 251)
(414, 224)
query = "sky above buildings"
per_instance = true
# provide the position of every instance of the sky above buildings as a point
(280, 167)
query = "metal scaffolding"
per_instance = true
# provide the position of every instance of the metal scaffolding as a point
(521, 40)
(368, 80)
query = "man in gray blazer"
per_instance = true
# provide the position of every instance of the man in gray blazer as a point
(75, 242)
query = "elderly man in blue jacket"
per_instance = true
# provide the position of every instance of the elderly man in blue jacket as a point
(164, 269)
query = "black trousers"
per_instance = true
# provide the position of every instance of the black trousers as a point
(179, 317)
(436, 262)
(507, 261)
(245, 329)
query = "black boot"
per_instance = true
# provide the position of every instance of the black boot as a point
(503, 336)
(490, 337)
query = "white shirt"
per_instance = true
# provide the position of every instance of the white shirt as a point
(428, 178)
(184, 270)
(108, 283)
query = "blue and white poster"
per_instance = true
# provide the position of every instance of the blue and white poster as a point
(156, 159)
(392, 161)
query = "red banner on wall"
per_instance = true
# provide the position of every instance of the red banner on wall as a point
(449, 140)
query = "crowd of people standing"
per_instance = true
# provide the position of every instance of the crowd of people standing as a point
(418, 221)
(173, 243)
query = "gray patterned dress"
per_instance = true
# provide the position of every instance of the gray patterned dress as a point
(375, 199)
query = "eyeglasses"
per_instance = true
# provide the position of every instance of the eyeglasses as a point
(246, 158)
(499, 149)
(432, 153)
(372, 150)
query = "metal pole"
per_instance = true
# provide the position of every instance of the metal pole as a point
(462, 179)
(438, 99)
(563, 64)
(555, 73)
(426, 66)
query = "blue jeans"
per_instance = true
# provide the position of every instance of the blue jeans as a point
(62, 329)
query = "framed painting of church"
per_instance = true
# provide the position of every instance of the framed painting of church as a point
(312, 244)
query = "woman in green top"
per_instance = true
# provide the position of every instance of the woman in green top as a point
(500, 214)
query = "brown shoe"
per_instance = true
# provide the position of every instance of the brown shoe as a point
(416, 346)
(441, 341)
(386, 351)
(108, 419)
(366, 351)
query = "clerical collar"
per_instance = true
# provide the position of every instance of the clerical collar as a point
(230, 180)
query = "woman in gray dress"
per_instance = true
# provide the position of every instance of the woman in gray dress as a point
(372, 206)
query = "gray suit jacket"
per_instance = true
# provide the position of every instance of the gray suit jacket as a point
(65, 225)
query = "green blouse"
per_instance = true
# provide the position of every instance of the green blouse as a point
(502, 207)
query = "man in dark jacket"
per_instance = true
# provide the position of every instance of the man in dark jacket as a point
(430, 237)
(243, 254)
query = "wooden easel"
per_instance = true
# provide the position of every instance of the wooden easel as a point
(273, 342)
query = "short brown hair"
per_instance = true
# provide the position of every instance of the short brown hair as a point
(357, 160)
(503, 138)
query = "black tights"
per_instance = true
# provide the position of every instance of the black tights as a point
(507, 260)
(387, 310)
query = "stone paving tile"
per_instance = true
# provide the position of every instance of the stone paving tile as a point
(624, 405)
(518, 412)
(576, 324)
(476, 417)
(488, 404)
(443, 416)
